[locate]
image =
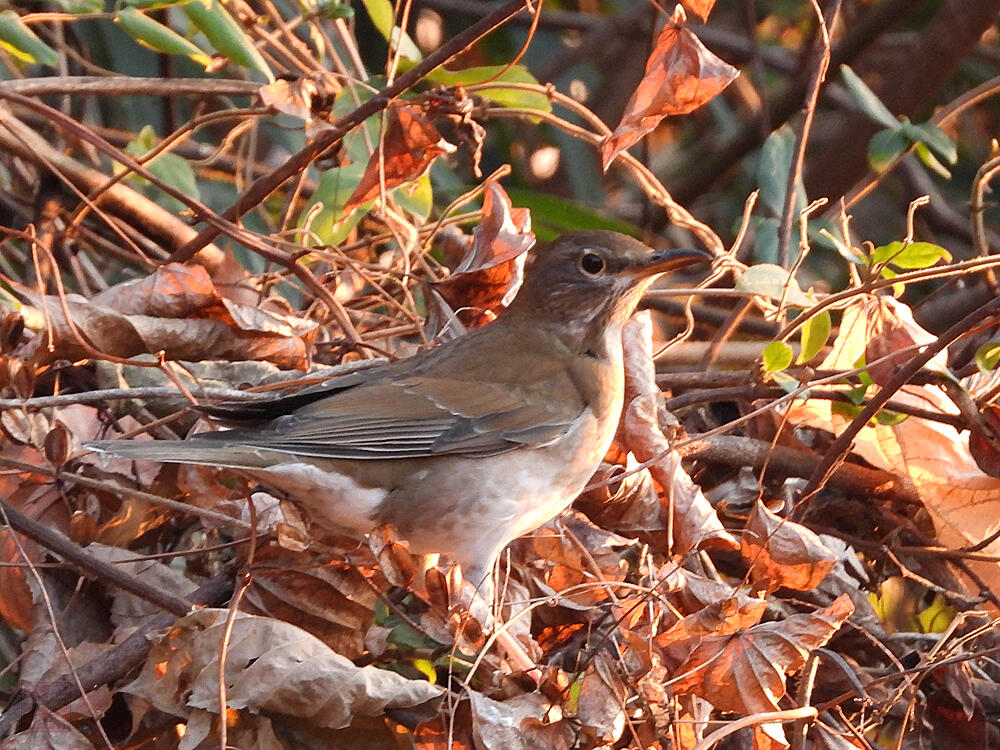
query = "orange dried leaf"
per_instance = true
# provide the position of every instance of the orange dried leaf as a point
(784, 553)
(681, 75)
(410, 146)
(490, 274)
(745, 672)
(700, 8)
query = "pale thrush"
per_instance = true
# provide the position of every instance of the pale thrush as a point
(467, 446)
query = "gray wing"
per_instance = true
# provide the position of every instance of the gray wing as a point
(421, 415)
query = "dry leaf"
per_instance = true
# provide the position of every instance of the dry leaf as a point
(963, 501)
(601, 703)
(490, 274)
(745, 672)
(410, 146)
(176, 310)
(517, 724)
(700, 8)
(272, 668)
(681, 75)
(696, 523)
(784, 553)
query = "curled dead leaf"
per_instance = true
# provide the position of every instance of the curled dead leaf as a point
(784, 553)
(681, 76)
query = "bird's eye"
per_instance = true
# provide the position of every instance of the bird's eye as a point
(592, 263)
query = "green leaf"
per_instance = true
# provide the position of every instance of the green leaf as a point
(857, 395)
(328, 223)
(885, 146)
(889, 418)
(170, 168)
(499, 95)
(845, 410)
(358, 144)
(916, 255)
(156, 36)
(777, 356)
(988, 355)
(416, 197)
(21, 42)
(382, 16)
(335, 9)
(773, 167)
(815, 332)
(930, 161)
(552, 216)
(789, 384)
(81, 7)
(226, 35)
(866, 99)
(769, 280)
(934, 137)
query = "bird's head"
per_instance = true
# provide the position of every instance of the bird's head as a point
(586, 282)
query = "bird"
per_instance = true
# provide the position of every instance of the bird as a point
(464, 447)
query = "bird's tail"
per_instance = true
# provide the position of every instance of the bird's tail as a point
(204, 452)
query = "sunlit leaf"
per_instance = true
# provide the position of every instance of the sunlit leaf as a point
(681, 76)
(490, 273)
(774, 282)
(700, 8)
(815, 332)
(382, 15)
(988, 355)
(154, 35)
(930, 160)
(889, 417)
(782, 553)
(226, 35)
(745, 672)
(777, 356)
(913, 256)
(411, 143)
(17, 38)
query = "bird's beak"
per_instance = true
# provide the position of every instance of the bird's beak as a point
(661, 261)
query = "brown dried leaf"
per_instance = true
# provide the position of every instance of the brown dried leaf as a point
(717, 619)
(745, 672)
(601, 703)
(696, 524)
(784, 553)
(176, 310)
(272, 668)
(490, 274)
(410, 146)
(329, 600)
(518, 724)
(48, 731)
(681, 75)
